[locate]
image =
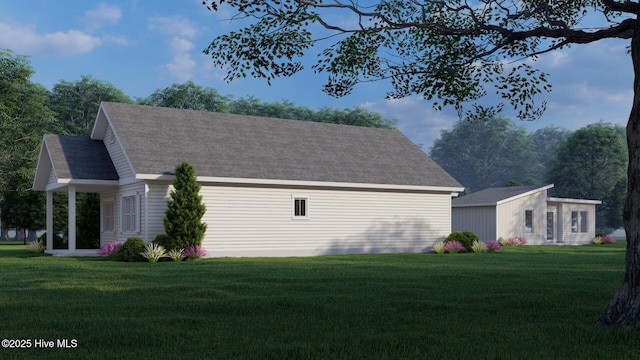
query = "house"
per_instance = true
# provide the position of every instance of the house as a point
(271, 187)
(527, 212)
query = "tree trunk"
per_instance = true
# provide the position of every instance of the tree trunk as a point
(624, 308)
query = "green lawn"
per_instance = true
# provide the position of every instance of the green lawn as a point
(530, 302)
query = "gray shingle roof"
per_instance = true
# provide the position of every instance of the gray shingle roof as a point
(238, 146)
(80, 158)
(493, 196)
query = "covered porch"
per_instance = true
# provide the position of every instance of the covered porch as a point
(72, 165)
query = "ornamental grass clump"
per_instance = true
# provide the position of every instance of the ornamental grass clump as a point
(194, 252)
(478, 246)
(153, 252)
(512, 241)
(175, 254)
(36, 246)
(453, 247)
(438, 247)
(111, 248)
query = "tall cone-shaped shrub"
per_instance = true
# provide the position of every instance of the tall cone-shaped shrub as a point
(183, 217)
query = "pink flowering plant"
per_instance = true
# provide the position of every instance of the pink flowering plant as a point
(110, 248)
(606, 239)
(453, 247)
(194, 252)
(492, 245)
(603, 239)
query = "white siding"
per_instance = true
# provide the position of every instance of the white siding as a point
(157, 198)
(564, 223)
(117, 155)
(257, 221)
(139, 190)
(479, 219)
(511, 217)
(52, 177)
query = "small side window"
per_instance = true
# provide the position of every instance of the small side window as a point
(528, 221)
(300, 207)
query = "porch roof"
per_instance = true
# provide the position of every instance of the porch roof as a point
(71, 158)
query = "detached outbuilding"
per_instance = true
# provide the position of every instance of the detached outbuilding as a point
(527, 212)
(271, 187)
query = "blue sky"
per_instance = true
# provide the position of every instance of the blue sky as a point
(141, 46)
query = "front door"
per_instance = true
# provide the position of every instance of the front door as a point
(550, 226)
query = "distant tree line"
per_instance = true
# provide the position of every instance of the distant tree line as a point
(28, 110)
(589, 163)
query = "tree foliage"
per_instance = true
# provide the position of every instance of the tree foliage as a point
(187, 96)
(452, 52)
(194, 97)
(183, 218)
(76, 103)
(486, 154)
(24, 118)
(591, 164)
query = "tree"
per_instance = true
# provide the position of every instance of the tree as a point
(485, 154)
(187, 96)
(545, 144)
(76, 103)
(24, 118)
(183, 218)
(451, 52)
(591, 164)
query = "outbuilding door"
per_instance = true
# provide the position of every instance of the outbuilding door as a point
(551, 226)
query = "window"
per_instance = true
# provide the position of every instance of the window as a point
(108, 215)
(550, 229)
(528, 221)
(130, 214)
(300, 207)
(579, 221)
(583, 221)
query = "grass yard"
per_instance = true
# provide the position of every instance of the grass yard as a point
(532, 302)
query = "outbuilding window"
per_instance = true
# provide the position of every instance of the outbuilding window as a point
(579, 221)
(528, 221)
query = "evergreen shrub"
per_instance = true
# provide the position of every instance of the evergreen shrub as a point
(466, 238)
(131, 249)
(183, 217)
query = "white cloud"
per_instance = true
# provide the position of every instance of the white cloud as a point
(173, 26)
(183, 66)
(179, 45)
(101, 16)
(178, 30)
(416, 118)
(25, 40)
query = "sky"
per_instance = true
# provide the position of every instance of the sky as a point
(141, 46)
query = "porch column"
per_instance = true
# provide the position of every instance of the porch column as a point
(49, 220)
(72, 218)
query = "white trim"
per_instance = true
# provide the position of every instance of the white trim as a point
(213, 179)
(576, 201)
